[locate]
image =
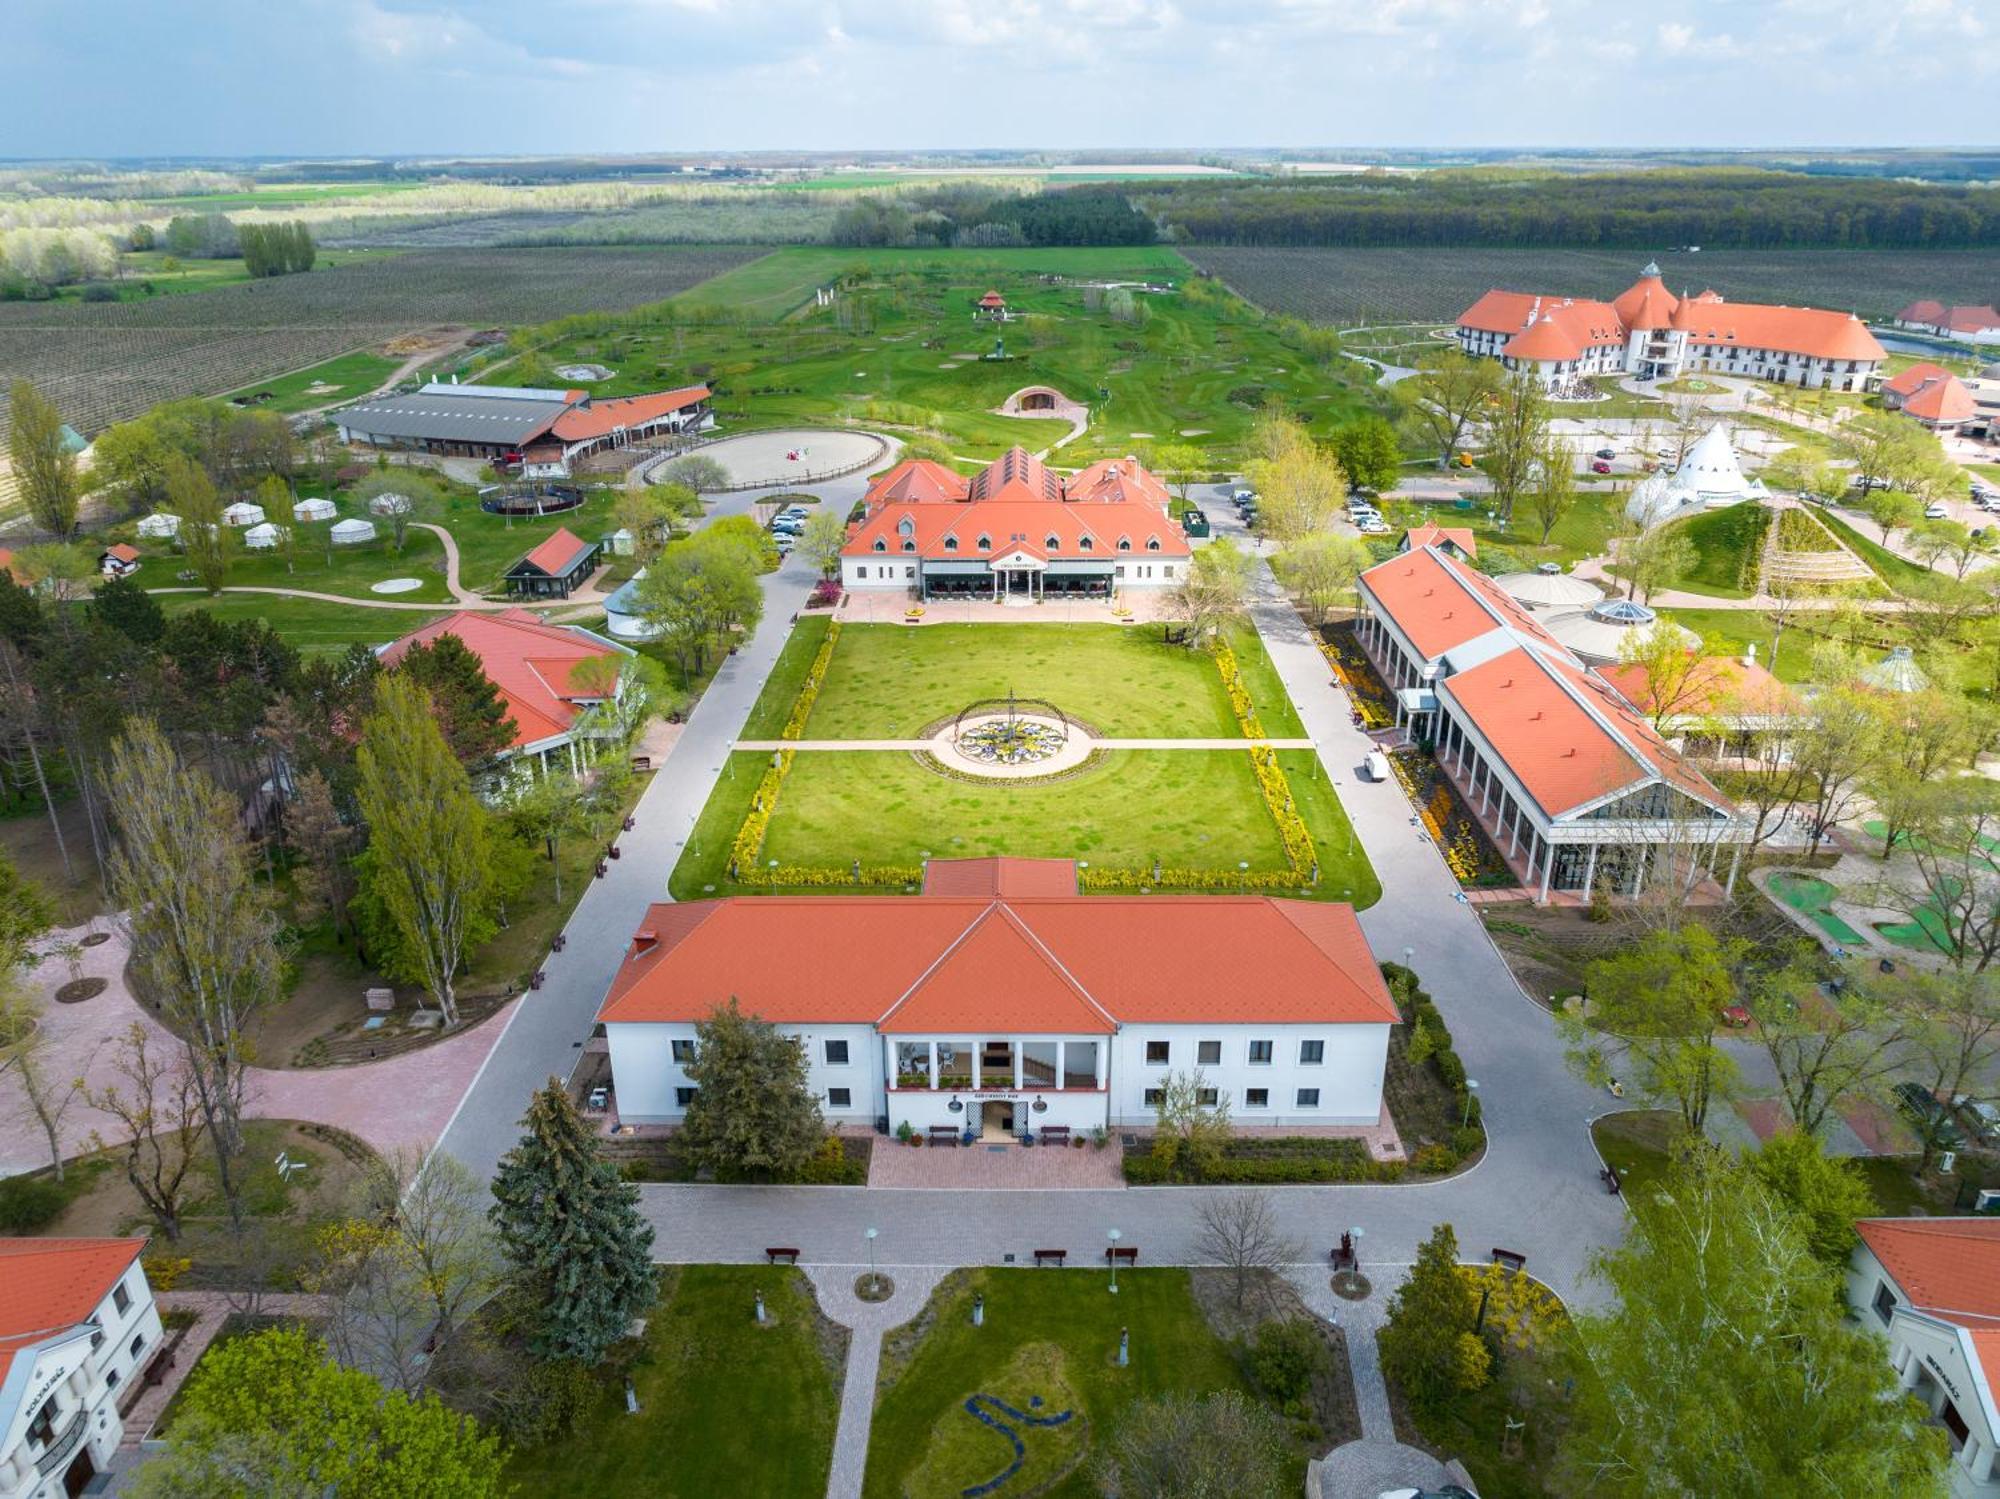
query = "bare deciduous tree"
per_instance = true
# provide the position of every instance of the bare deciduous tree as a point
(160, 1115)
(1239, 1231)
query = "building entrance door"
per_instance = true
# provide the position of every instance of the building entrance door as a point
(79, 1475)
(996, 1119)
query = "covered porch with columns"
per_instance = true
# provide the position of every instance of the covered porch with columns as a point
(1409, 685)
(976, 1082)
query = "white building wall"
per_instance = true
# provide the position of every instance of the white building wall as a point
(646, 1078)
(1348, 1077)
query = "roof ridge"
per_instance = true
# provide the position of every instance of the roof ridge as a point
(1048, 954)
(932, 967)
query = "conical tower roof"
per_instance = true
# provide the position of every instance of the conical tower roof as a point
(1896, 672)
(1710, 474)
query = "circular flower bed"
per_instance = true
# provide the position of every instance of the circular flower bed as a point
(874, 1287)
(1012, 741)
(1351, 1285)
(80, 990)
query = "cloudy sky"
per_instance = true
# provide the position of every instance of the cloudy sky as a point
(333, 77)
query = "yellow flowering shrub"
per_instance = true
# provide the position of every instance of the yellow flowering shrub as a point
(1522, 1312)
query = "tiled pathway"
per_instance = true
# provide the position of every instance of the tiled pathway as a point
(998, 1167)
(834, 1285)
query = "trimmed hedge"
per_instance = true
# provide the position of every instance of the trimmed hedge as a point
(1274, 1160)
(743, 866)
(1420, 1011)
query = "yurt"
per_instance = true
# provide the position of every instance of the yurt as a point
(1558, 590)
(623, 618)
(389, 504)
(1711, 477)
(1598, 635)
(243, 513)
(314, 510)
(160, 525)
(261, 538)
(352, 532)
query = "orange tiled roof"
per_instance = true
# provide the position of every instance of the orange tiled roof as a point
(1725, 685)
(581, 423)
(1908, 382)
(1440, 604)
(1945, 400)
(532, 664)
(1000, 877)
(121, 551)
(48, 1286)
(1811, 331)
(1923, 311)
(1023, 962)
(1970, 319)
(559, 553)
(1431, 535)
(917, 481)
(1949, 1268)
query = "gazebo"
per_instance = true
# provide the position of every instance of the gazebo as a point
(314, 510)
(1896, 672)
(352, 532)
(243, 513)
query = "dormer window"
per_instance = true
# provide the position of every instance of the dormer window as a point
(985, 542)
(909, 546)
(951, 543)
(1124, 543)
(1153, 545)
(906, 527)
(1084, 544)
(881, 545)
(1051, 541)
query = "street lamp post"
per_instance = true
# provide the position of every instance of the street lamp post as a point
(874, 1280)
(1471, 1087)
(1114, 1236)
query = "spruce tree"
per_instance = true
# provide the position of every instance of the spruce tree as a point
(570, 1225)
(753, 1115)
(1428, 1347)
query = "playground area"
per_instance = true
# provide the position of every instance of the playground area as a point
(790, 456)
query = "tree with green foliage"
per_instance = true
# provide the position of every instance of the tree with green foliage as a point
(582, 1256)
(126, 606)
(1448, 397)
(426, 880)
(44, 466)
(754, 1114)
(1660, 999)
(1191, 1124)
(700, 592)
(1187, 1446)
(1825, 1046)
(1299, 484)
(1827, 1194)
(928, 446)
(470, 712)
(397, 495)
(1367, 450)
(1180, 465)
(270, 1416)
(1729, 1364)
(60, 572)
(824, 535)
(648, 513)
(1427, 1345)
(1517, 435)
(1892, 510)
(206, 543)
(1554, 494)
(1320, 570)
(1884, 448)
(695, 471)
(1212, 592)
(204, 931)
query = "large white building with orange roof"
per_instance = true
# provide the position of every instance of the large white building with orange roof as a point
(1931, 1287)
(78, 1329)
(1015, 530)
(1648, 332)
(1573, 783)
(1002, 1001)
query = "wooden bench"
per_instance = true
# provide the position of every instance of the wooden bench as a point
(1055, 1134)
(1117, 1254)
(1044, 1256)
(1609, 1176)
(789, 1256)
(1509, 1259)
(944, 1134)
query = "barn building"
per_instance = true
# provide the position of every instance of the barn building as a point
(544, 432)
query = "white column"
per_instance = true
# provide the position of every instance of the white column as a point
(1590, 870)
(1103, 1058)
(930, 1048)
(1017, 1064)
(1640, 854)
(1548, 872)
(1514, 829)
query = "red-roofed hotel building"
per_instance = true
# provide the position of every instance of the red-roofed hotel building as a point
(1003, 1001)
(1576, 787)
(78, 1328)
(1649, 332)
(1016, 529)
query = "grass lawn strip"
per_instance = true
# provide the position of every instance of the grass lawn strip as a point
(725, 1406)
(930, 1368)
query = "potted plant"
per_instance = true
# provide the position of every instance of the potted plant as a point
(903, 1132)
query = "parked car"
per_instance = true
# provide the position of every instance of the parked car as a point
(1932, 1119)
(1984, 1118)
(1600, 467)
(1666, 455)
(1243, 496)
(1607, 453)
(1937, 510)
(1376, 766)
(1374, 527)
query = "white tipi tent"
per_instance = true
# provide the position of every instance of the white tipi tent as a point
(1710, 475)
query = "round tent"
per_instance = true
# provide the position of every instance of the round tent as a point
(1598, 635)
(314, 510)
(1710, 475)
(1539, 590)
(1649, 503)
(351, 532)
(243, 513)
(261, 538)
(160, 523)
(1896, 672)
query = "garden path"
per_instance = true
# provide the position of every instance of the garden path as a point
(458, 590)
(868, 1320)
(1107, 744)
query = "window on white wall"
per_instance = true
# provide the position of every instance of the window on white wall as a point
(1158, 1053)
(1208, 1053)
(121, 1298)
(1260, 1053)
(1154, 1097)
(1207, 1097)
(1256, 1098)
(836, 1053)
(683, 1051)
(683, 1097)
(839, 1098)
(1308, 1098)
(1312, 1053)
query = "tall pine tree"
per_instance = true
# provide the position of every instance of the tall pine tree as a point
(570, 1225)
(470, 711)
(1428, 1346)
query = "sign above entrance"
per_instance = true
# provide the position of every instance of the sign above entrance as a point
(1008, 1094)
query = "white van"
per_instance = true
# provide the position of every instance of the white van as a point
(1376, 766)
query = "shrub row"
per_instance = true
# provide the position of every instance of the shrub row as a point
(1299, 851)
(1420, 1013)
(1273, 1162)
(764, 802)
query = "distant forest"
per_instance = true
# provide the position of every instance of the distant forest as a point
(1719, 209)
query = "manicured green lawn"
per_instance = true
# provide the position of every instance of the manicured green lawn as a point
(1052, 1333)
(1583, 531)
(1725, 545)
(781, 688)
(892, 681)
(312, 625)
(725, 1406)
(342, 379)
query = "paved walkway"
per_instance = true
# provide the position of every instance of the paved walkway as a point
(458, 590)
(834, 1285)
(995, 1166)
(1107, 744)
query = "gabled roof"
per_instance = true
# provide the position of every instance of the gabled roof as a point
(1440, 604)
(1908, 382)
(1431, 534)
(1006, 963)
(1942, 401)
(1927, 310)
(1949, 1269)
(121, 551)
(48, 1286)
(533, 665)
(917, 481)
(1811, 331)
(581, 423)
(557, 557)
(1983, 319)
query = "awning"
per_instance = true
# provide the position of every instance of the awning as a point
(1417, 699)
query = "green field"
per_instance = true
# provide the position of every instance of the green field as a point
(144, 274)
(900, 347)
(313, 625)
(344, 379)
(286, 195)
(1585, 530)
(1725, 544)
(1053, 1335)
(725, 1406)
